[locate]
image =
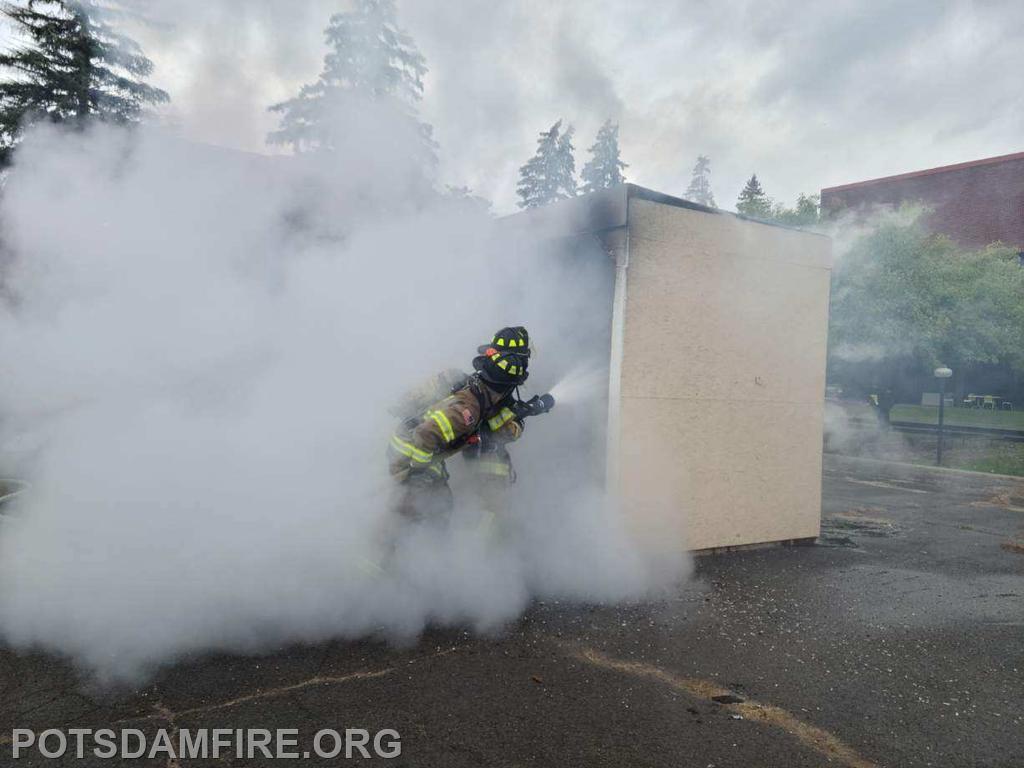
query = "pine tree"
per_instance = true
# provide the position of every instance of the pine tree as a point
(370, 57)
(567, 163)
(604, 168)
(551, 173)
(74, 66)
(753, 201)
(699, 190)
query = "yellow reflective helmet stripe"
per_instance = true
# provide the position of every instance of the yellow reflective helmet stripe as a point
(503, 417)
(410, 450)
(443, 424)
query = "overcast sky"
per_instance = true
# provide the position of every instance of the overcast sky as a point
(805, 94)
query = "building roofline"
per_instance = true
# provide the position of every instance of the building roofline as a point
(609, 209)
(927, 172)
(635, 190)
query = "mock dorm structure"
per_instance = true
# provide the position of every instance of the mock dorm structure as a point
(716, 362)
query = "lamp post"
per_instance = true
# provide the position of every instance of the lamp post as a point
(941, 374)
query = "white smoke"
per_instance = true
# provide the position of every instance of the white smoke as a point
(202, 348)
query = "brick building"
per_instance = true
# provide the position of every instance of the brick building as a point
(975, 203)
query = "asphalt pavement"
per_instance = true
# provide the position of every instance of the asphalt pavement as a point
(896, 640)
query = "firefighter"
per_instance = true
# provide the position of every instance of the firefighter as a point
(477, 413)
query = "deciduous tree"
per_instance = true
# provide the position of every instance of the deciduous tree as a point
(803, 215)
(903, 295)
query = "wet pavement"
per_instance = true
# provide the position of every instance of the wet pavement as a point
(897, 640)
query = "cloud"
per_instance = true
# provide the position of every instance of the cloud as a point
(805, 95)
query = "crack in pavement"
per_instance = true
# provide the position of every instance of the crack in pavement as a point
(811, 736)
(269, 693)
(164, 713)
(161, 712)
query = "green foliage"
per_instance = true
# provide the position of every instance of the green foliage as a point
(901, 293)
(73, 66)
(699, 190)
(550, 174)
(805, 214)
(753, 201)
(1005, 459)
(605, 166)
(958, 417)
(370, 58)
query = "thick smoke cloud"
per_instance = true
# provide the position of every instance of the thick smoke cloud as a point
(200, 351)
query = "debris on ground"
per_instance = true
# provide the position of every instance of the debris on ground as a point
(1004, 499)
(842, 528)
(728, 698)
(1014, 546)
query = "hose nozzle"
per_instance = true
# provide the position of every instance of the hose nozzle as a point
(535, 406)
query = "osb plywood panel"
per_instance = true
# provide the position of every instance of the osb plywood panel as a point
(723, 370)
(734, 473)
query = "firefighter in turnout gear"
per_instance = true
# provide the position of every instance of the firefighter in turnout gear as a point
(473, 413)
(487, 458)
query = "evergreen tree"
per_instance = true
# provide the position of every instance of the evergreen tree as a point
(753, 201)
(73, 66)
(369, 57)
(551, 173)
(567, 162)
(604, 168)
(699, 190)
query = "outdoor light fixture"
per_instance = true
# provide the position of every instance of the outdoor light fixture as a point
(941, 374)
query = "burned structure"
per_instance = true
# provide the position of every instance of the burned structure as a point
(716, 362)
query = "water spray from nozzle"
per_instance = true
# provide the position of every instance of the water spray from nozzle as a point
(580, 384)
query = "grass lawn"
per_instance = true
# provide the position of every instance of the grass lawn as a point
(957, 417)
(1001, 460)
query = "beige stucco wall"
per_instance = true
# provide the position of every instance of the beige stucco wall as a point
(722, 376)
